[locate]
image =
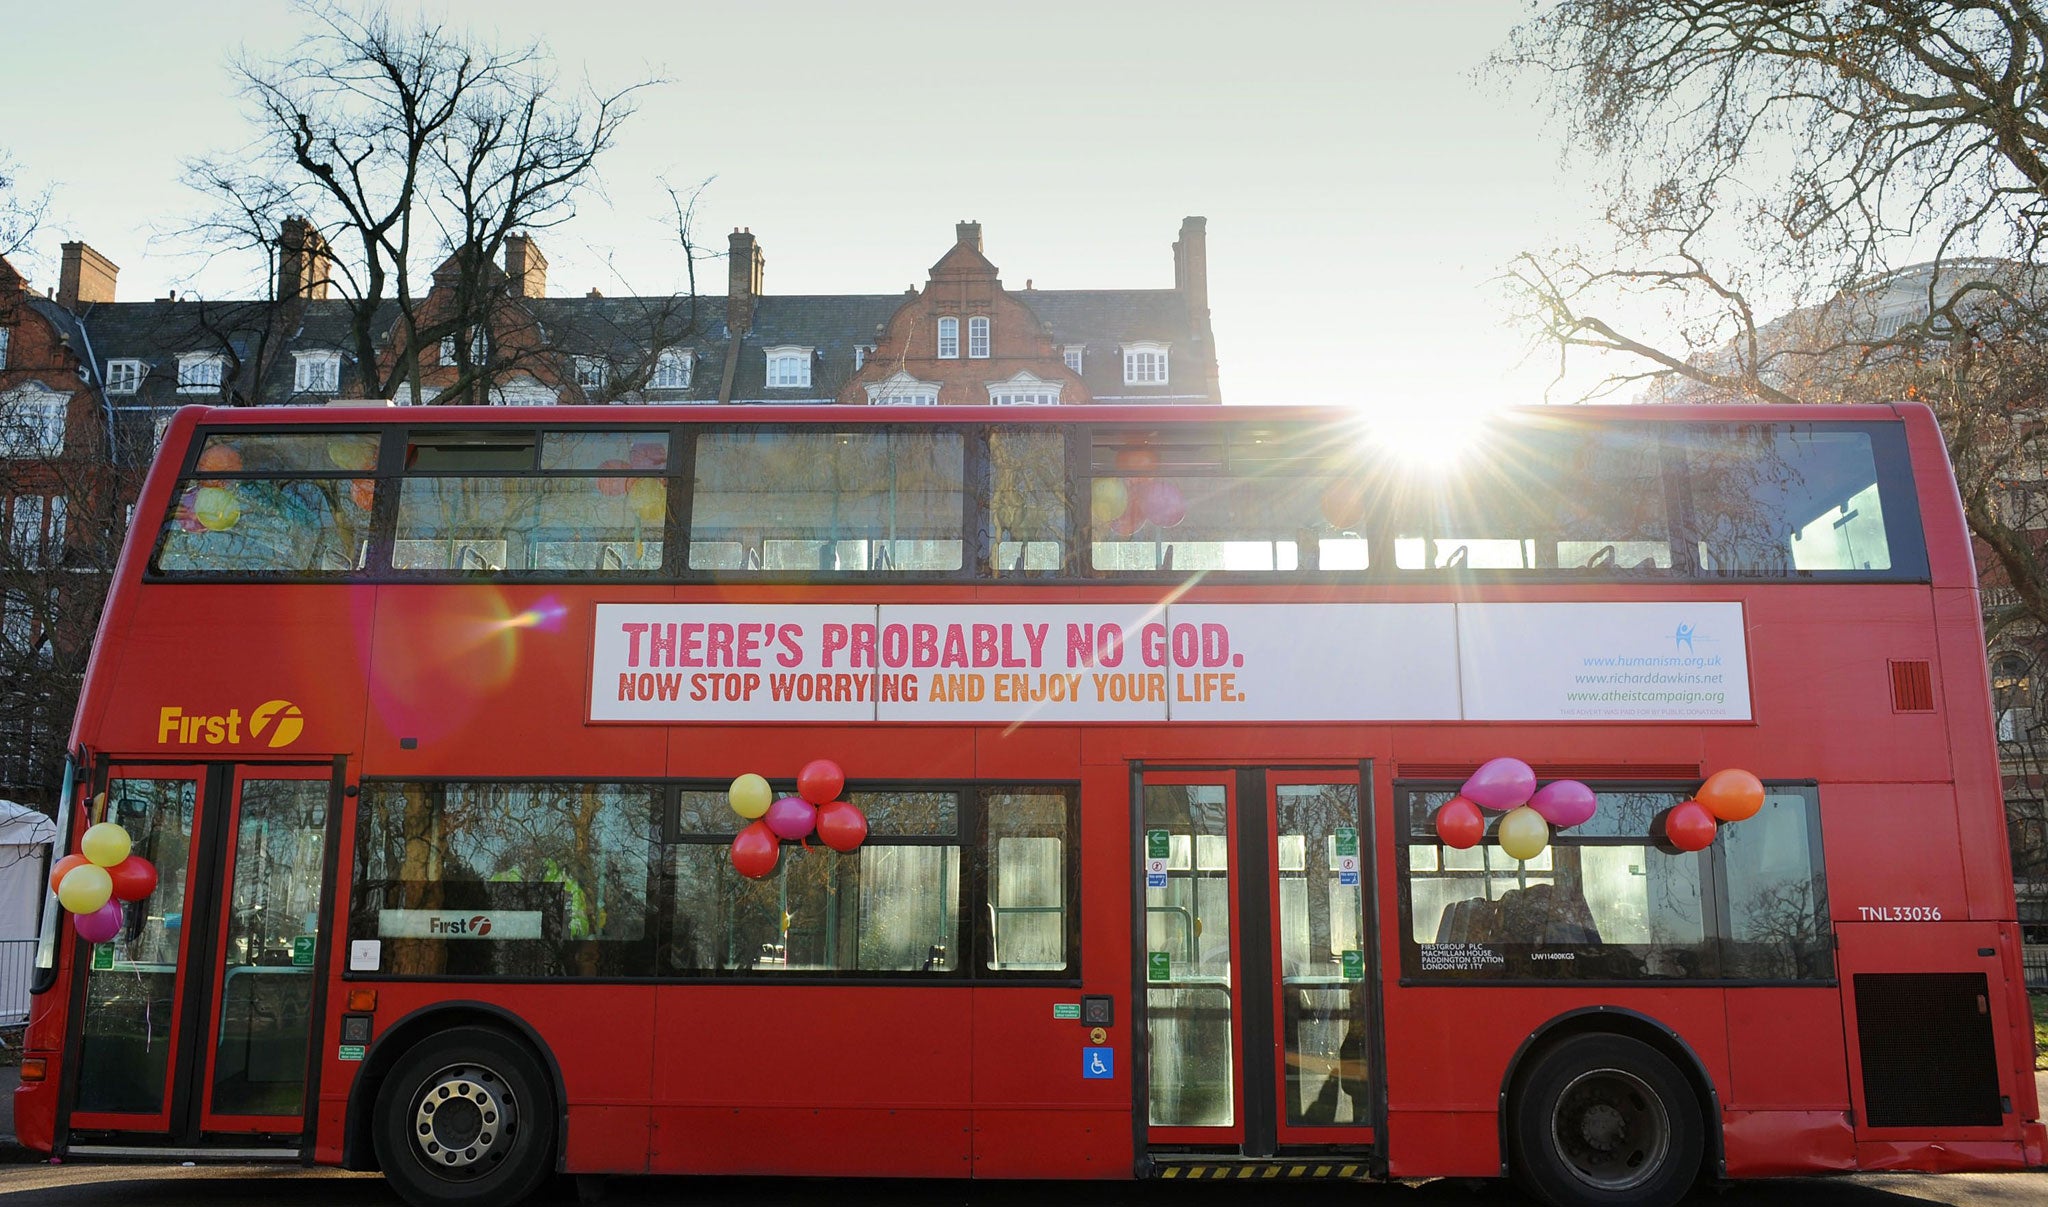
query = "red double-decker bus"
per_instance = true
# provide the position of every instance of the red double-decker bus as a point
(427, 719)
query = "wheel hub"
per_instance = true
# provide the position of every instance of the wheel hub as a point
(1611, 1129)
(462, 1120)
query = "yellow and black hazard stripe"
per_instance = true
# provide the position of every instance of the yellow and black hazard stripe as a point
(1258, 1171)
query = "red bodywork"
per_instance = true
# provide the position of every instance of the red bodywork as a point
(893, 1080)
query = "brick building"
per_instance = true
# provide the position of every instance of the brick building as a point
(88, 381)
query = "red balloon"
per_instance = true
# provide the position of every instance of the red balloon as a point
(1688, 826)
(820, 782)
(134, 878)
(841, 825)
(1460, 824)
(59, 869)
(755, 851)
(1732, 795)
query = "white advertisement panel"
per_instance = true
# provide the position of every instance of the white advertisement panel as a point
(1603, 661)
(730, 662)
(1061, 663)
(1315, 662)
(1024, 662)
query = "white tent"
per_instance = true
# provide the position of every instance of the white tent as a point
(25, 838)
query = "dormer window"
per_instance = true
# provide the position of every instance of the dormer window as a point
(124, 376)
(1073, 354)
(671, 370)
(200, 372)
(949, 339)
(591, 373)
(316, 373)
(789, 367)
(479, 347)
(977, 337)
(903, 390)
(861, 352)
(1026, 389)
(1145, 364)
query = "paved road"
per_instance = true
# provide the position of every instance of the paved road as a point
(227, 1186)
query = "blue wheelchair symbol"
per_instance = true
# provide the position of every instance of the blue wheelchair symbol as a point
(1098, 1064)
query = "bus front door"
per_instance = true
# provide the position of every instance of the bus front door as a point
(197, 1020)
(1257, 964)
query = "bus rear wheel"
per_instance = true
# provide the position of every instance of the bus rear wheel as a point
(1605, 1121)
(463, 1118)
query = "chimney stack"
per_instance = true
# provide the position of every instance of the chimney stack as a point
(526, 267)
(968, 233)
(1191, 267)
(305, 263)
(743, 280)
(85, 276)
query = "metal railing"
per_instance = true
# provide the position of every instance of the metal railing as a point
(17, 971)
(2034, 958)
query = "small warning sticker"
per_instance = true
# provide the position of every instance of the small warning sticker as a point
(1067, 1010)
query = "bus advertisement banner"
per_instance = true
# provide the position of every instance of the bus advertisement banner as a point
(1006, 663)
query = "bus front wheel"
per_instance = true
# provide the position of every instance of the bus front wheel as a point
(1605, 1121)
(465, 1117)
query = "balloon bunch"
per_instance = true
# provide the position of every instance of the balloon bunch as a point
(1508, 787)
(648, 496)
(1730, 795)
(92, 884)
(1124, 505)
(816, 806)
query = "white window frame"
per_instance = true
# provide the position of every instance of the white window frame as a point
(949, 338)
(6, 333)
(793, 357)
(861, 352)
(125, 376)
(1026, 389)
(316, 373)
(479, 346)
(1145, 363)
(900, 389)
(1075, 356)
(25, 528)
(201, 372)
(32, 421)
(592, 372)
(673, 368)
(977, 337)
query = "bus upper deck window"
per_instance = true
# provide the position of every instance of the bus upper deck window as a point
(781, 500)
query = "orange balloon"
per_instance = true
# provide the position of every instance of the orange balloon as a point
(1732, 795)
(1343, 505)
(220, 458)
(63, 867)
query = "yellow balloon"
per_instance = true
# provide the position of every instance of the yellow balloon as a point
(1108, 499)
(216, 508)
(750, 796)
(85, 889)
(1523, 833)
(649, 497)
(105, 844)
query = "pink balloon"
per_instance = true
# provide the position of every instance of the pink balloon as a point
(101, 924)
(792, 817)
(1500, 784)
(1565, 803)
(1161, 502)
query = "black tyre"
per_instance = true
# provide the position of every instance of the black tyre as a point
(1605, 1121)
(465, 1117)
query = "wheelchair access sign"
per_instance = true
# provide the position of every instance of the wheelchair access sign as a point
(1098, 1064)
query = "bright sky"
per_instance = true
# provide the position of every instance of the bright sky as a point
(1363, 187)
